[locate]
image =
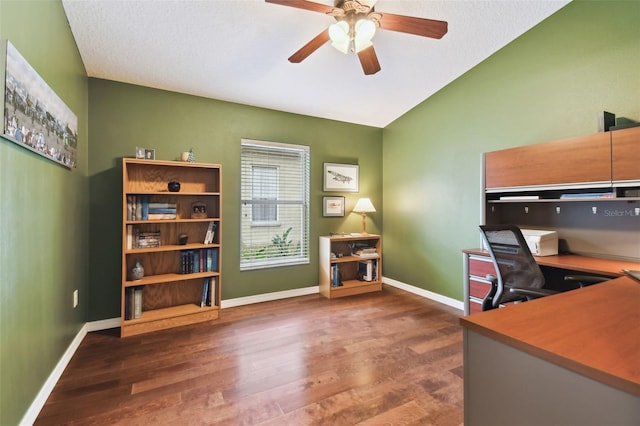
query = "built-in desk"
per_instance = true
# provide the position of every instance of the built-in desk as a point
(477, 264)
(571, 359)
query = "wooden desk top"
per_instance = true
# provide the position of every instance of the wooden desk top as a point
(594, 331)
(573, 262)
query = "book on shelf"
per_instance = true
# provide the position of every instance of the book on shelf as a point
(205, 292)
(130, 204)
(365, 252)
(208, 291)
(145, 207)
(211, 233)
(133, 302)
(137, 302)
(162, 211)
(199, 260)
(161, 216)
(129, 236)
(368, 270)
(154, 206)
(335, 276)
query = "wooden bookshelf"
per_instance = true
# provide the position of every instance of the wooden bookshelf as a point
(337, 253)
(173, 284)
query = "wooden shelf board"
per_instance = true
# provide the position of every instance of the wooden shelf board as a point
(173, 247)
(198, 194)
(164, 278)
(565, 200)
(345, 259)
(171, 312)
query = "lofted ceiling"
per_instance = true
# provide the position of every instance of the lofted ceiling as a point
(237, 50)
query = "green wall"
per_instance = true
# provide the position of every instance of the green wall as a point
(44, 221)
(548, 84)
(123, 116)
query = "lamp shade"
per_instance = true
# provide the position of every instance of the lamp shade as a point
(364, 205)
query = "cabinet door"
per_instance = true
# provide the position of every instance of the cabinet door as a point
(585, 159)
(625, 148)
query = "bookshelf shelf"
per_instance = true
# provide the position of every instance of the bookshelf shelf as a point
(171, 312)
(336, 254)
(182, 282)
(163, 278)
(173, 247)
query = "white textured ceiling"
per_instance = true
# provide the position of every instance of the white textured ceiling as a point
(237, 50)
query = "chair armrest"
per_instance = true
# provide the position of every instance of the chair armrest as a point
(531, 293)
(487, 303)
(584, 280)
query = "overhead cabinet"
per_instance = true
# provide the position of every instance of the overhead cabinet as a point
(625, 156)
(598, 160)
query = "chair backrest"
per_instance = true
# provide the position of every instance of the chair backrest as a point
(515, 265)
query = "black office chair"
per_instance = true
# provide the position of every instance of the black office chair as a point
(519, 277)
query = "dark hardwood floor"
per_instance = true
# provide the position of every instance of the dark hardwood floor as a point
(388, 358)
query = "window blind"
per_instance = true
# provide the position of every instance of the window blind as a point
(274, 207)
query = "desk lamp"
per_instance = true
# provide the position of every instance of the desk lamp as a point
(364, 206)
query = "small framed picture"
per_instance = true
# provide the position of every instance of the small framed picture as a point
(150, 154)
(333, 206)
(139, 152)
(340, 177)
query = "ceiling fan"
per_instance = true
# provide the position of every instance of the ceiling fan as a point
(356, 24)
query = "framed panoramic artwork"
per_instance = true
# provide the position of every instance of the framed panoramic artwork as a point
(333, 206)
(34, 116)
(340, 177)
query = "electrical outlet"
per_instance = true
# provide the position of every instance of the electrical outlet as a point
(75, 298)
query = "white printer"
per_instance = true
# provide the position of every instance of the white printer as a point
(541, 243)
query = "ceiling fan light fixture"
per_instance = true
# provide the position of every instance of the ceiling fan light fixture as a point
(339, 35)
(365, 29)
(364, 32)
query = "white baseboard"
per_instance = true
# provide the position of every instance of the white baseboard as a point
(32, 413)
(258, 298)
(425, 293)
(104, 324)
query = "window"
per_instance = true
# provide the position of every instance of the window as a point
(274, 222)
(264, 187)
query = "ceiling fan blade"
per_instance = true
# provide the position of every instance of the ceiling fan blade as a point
(412, 25)
(303, 4)
(369, 60)
(310, 47)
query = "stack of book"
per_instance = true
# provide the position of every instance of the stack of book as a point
(147, 239)
(140, 208)
(366, 252)
(137, 239)
(159, 211)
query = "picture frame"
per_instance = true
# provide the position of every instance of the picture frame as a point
(340, 177)
(140, 152)
(35, 117)
(333, 206)
(149, 154)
